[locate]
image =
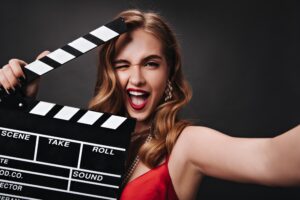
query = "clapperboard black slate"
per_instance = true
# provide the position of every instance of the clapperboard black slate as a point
(50, 151)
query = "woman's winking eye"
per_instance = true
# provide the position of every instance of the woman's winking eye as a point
(121, 66)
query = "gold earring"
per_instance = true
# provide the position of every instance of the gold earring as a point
(169, 91)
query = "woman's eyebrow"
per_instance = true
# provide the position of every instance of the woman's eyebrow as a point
(154, 56)
(120, 61)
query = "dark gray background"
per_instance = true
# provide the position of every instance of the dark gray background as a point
(241, 58)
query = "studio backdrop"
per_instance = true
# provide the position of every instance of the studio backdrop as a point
(241, 59)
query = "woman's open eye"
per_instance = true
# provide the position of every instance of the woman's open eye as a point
(152, 64)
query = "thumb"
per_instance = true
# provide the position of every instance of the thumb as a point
(44, 53)
(32, 89)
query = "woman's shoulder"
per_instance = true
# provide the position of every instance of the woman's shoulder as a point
(190, 139)
(190, 132)
(182, 146)
(196, 128)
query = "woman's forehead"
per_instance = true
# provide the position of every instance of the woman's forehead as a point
(137, 44)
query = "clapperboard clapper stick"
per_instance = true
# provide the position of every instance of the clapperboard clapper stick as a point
(50, 151)
(61, 56)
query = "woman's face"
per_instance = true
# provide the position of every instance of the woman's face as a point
(142, 71)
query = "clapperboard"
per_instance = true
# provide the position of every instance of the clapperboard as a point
(49, 151)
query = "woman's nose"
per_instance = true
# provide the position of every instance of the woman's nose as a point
(136, 76)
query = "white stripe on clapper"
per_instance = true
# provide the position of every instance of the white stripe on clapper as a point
(113, 122)
(90, 117)
(39, 67)
(104, 33)
(42, 108)
(66, 113)
(82, 45)
(60, 56)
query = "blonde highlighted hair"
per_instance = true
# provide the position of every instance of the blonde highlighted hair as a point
(109, 95)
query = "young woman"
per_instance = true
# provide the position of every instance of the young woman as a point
(140, 76)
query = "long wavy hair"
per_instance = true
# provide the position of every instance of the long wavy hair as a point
(109, 96)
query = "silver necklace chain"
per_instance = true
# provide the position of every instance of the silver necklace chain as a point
(134, 164)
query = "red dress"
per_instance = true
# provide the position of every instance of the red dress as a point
(155, 184)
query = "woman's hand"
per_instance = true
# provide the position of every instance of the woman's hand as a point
(11, 73)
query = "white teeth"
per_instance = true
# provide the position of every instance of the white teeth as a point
(135, 93)
(138, 98)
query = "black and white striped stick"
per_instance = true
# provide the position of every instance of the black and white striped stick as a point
(71, 51)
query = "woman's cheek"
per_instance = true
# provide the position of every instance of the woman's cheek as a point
(122, 78)
(159, 91)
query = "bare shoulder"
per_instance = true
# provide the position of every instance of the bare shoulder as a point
(187, 138)
(187, 131)
(192, 134)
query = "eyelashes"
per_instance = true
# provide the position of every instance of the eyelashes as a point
(151, 64)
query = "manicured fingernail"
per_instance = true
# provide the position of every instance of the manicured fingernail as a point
(1, 90)
(22, 80)
(19, 85)
(11, 91)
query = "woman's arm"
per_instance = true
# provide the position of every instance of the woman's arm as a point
(285, 158)
(267, 161)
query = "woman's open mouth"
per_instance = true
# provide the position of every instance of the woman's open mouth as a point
(137, 98)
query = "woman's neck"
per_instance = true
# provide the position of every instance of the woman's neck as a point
(141, 126)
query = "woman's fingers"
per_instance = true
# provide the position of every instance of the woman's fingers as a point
(44, 53)
(10, 76)
(4, 82)
(32, 88)
(16, 67)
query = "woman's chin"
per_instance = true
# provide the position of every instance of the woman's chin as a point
(140, 117)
